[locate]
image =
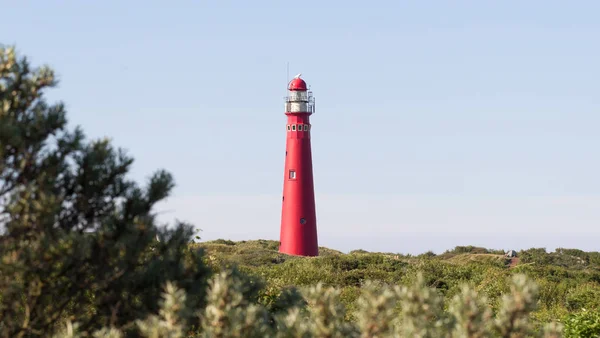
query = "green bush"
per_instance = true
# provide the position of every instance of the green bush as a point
(468, 249)
(586, 296)
(78, 237)
(381, 311)
(223, 241)
(583, 324)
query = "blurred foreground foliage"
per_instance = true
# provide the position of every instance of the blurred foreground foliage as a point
(82, 255)
(383, 310)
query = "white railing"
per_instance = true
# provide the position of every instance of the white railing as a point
(300, 102)
(300, 107)
(299, 97)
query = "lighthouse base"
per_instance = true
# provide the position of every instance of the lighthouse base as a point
(299, 241)
(314, 253)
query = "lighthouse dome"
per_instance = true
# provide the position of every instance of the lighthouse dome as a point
(297, 84)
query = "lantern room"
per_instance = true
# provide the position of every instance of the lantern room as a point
(299, 99)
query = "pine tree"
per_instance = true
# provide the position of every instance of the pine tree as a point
(78, 237)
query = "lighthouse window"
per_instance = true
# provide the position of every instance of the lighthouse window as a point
(292, 174)
(293, 127)
(306, 127)
(288, 127)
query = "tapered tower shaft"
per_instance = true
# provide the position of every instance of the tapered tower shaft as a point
(298, 217)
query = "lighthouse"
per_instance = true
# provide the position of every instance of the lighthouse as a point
(298, 215)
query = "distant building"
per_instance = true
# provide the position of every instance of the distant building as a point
(511, 253)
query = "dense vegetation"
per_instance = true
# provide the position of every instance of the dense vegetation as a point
(81, 255)
(568, 281)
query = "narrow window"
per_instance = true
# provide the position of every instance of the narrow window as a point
(306, 127)
(292, 174)
(299, 127)
(293, 127)
(288, 127)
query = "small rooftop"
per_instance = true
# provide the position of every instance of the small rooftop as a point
(297, 84)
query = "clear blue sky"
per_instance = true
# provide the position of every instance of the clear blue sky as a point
(438, 123)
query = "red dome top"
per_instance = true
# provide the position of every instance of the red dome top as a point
(297, 84)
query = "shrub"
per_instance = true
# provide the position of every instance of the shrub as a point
(223, 241)
(582, 324)
(468, 249)
(230, 313)
(584, 296)
(78, 236)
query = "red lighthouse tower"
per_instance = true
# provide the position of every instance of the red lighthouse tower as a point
(298, 216)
